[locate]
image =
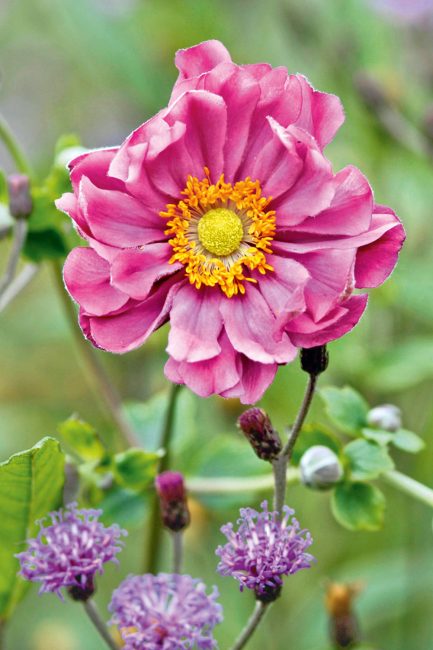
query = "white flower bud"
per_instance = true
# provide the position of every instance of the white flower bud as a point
(386, 416)
(320, 468)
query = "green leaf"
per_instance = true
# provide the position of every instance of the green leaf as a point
(67, 141)
(407, 441)
(358, 506)
(135, 468)
(123, 507)
(312, 435)
(82, 438)
(31, 485)
(4, 194)
(346, 408)
(367, 460)
(377, 435)
(46, 244)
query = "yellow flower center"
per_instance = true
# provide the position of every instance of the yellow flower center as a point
(220, 231)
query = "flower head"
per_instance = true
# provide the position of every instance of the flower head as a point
(70, 551)
(172, 497)
(165, 612)
(222, 215)
(263, 549)
(257, 427)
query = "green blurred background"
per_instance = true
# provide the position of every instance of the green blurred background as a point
(101, 67)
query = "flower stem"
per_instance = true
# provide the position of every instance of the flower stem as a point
(154, 543)
(409, 486)
(95, 617)
(233, 484)
(18, 284)
(106, 389)
(177, 538)
(16, 153)
(20, 232)
(251, 626)
(281, 463)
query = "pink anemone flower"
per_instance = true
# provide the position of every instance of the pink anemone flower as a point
(221, 215)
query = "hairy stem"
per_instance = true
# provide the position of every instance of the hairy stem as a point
(105, 387)
(281, 463)
(20, 232)
(409, 486)
(177, 538)
(95, 617)
(17, 285)
(251, 626)
(155, 527)
(15, 151)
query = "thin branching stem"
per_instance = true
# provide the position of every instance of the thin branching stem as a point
(18, 284)
(155, 526)
(20, 232)
(234, 484)
(256, 617)
(17, 154)
(106, 389)
(177, 538)
(409, 486)
(95, 617)
(281, 463)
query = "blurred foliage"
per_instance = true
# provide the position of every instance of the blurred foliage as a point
(101, 67)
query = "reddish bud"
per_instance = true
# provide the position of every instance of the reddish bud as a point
(257, 428)
(172, 496)
(314, 360)
(20, 200)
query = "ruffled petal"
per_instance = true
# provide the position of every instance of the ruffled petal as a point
(117, 219)
(210, 377)
(255, 378)
(193, 61)
(135, 271)
(376, 261)
(307, 333)
(87, 279)
(252, 328)
(130, 328)
(195, 324)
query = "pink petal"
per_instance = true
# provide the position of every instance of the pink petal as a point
(314, 187)
(193, 61)
(375, 261)
(252, 328)
(210, 377)
(95, 165)
(306, 333)
(135, 271)
(129, 329)
(195, 324)
(87, 278)
(255, 379)
(350, 210)
(117, 219)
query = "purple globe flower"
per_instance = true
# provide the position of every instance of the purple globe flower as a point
(263, 549)
(165, 612)
(70, 551)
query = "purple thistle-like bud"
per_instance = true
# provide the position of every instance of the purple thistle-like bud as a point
(165, 612)
(70, 551)
(172, 497)
(20, 200)
(257, 427)
(263, 549)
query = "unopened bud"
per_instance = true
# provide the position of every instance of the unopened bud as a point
(320, 468)
(386, 417)
(20, 200)
(343, 623)
(257, 428)
(314, 360)
(76, 592)
(172, 496)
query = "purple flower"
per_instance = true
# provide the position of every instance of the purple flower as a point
(70, 551)
(165, 612)
(263, 549)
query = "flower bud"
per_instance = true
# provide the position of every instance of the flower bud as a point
(343, 623)
(320, 468)
(172, 496)
(20, 200)
(385, 416)
(314, 360)
(257, 428)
